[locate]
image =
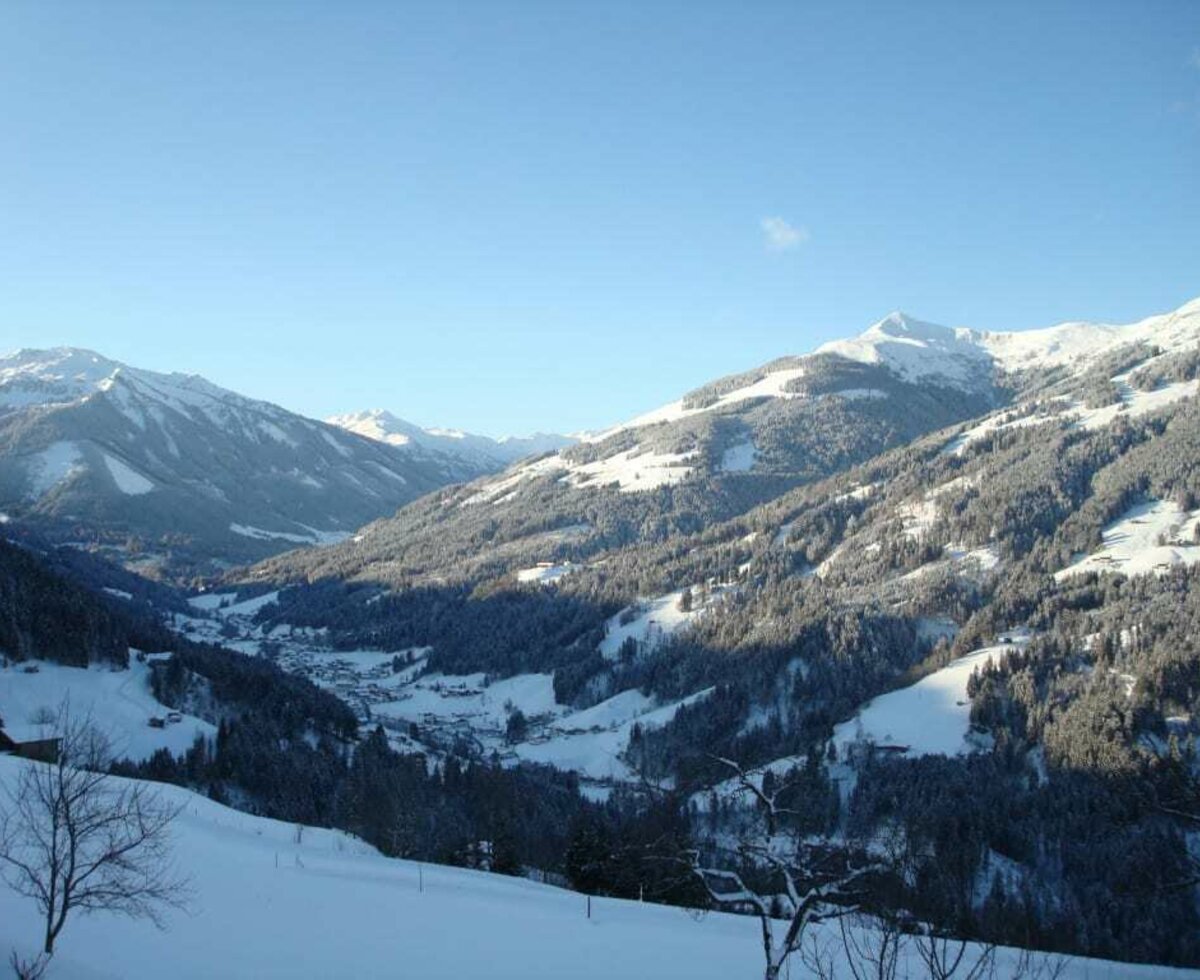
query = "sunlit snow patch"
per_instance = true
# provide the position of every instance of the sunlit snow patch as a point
(930, 717)
(649, 623)
(545, 574)
(128, 480)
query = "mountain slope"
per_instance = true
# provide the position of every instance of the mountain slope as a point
(534, 572)
(180, 474)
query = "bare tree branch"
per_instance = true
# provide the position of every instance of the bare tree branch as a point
(73, 837)
(779, 878)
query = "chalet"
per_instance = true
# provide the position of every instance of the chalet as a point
(29, 742)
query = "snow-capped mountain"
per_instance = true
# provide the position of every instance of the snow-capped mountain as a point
(479, 454)
(178, 470)
(743, 440)
(918, 352)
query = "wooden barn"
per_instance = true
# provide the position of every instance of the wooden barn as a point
(29, 742)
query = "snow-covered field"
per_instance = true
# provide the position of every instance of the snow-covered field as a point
(223, 603)
(56, 463)
(128, 480)
(589, 742)
(651, 622)
(470, 698)
(118, 703)
(272, 900)
(739, 458)
(930, 717)
(1132, 543)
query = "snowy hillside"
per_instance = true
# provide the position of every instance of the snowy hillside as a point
(276, 900)
(929, 717)
(172, 462)
(118, 703)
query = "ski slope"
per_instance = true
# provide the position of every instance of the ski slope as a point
(271, 900)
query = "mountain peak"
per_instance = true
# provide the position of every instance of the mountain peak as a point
(899, 324)
(33, 376)
(56, 363)
(915, 349)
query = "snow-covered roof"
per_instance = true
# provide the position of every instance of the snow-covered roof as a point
(20, 734)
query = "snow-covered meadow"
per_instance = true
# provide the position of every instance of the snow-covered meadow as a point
(274, 900)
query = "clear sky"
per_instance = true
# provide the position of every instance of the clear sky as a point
(508, 217)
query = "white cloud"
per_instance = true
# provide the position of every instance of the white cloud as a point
(782, 235)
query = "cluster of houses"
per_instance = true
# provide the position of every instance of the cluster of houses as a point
(360, 687)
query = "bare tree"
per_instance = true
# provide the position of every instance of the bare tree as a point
(873, 945)
(73, 837)
(33, 969)
(944, 956)
(780, 877)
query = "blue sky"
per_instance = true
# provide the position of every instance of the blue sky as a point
(510, 217)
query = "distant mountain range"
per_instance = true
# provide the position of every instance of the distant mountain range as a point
(172, 473)
(479, 453)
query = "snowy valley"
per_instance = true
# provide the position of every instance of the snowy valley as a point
(899, 588)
